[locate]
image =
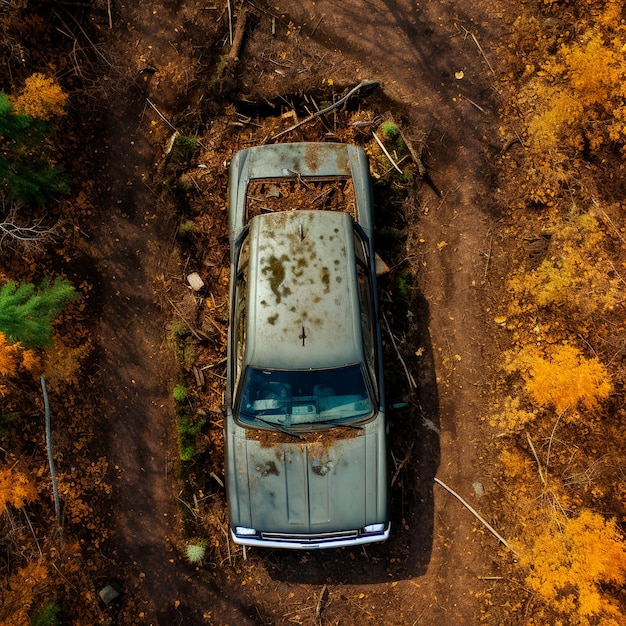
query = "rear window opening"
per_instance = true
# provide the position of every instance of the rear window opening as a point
(267, 195)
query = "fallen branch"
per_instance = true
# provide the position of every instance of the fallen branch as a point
(237, 38)
(319, 607)
(532, 447)
(187, 505)
(402, 464)
(421, 168)
(230, 22)
(488, 255)
(192, 330)
(217, 479)
(229, 61)
(417, 158)
(382, 147)
(467, 32)
(481, 519)
(364, 84)
(316, 26)
(36, 233)
(163, 118)
(482, 53)
(53, 474)
(199, 376)
(473, 103)
(552, 436)
(211, 365)
(412, 382)
(82, 30)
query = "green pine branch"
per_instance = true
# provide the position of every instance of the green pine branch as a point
(27, 311)
(26, 174)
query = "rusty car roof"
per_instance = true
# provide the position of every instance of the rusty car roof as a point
(303, 299)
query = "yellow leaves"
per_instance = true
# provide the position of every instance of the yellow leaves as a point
(570, 559)
(14, 358)
(17, 598)
(560, 112)
(41, 97)
(63, 362)
(594, 70)
(578, 93)
(512, 416)
(578, 272)
(563, 294)
(611, 17)
(16, 488)
(515, 464)
(561, 377)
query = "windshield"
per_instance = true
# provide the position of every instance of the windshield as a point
(304, 397)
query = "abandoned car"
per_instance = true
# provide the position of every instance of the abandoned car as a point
(305, 428)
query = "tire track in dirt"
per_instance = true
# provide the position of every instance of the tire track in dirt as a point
(130, 248)
(135, 371)
(419, 50)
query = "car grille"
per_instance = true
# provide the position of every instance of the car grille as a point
(310, 538)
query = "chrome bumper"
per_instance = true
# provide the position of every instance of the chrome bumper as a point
(313, 541)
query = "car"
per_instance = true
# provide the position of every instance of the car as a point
(306, 458)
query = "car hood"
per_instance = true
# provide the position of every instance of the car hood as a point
(304, 487)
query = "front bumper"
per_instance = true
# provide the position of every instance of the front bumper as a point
(312, 541)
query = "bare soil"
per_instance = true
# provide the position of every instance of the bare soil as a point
(435, 568)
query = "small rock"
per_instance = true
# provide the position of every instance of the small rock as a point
(108, 594)
(195, 281)
(479, 490)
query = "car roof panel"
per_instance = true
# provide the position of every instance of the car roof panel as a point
(303, 300)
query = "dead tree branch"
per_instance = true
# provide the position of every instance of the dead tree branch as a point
(15, 234)
(477, 515)
(237, 38)
(408, 375)
(484, 56)
(227, 66)
(386, 152)
(366, 85)
(24, 234)
(53, 475)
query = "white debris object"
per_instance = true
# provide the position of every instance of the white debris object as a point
(195, 281)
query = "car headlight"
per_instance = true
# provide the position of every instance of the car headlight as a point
(242, 531)
(373, 528)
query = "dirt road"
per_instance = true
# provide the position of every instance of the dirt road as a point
(440, 79)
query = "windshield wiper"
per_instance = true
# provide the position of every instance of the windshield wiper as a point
(282, 429)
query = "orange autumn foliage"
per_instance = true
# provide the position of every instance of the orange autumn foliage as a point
(62, 362)
(561, 377)
(41, 98)
(571, 561)
(13, 359)
(18, 597)
(579, 94)
(579, 275)
(16, 488)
